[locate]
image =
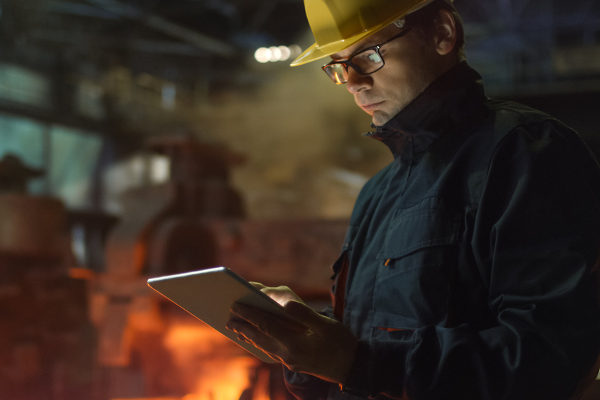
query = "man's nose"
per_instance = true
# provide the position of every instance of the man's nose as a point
(357, 82)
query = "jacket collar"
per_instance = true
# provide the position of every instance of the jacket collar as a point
(453, 101)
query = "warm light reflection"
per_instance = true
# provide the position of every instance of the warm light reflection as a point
(214, 368)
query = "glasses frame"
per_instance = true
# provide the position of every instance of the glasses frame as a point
(348, 62)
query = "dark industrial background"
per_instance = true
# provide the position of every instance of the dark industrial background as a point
(143, 137)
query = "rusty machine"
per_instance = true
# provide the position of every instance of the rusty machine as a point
(148, 348)
(47, 339)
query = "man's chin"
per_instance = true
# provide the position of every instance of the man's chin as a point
(380, 119)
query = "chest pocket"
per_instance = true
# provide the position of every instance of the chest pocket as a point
(416, 267)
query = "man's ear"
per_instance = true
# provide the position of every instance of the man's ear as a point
(445, 32)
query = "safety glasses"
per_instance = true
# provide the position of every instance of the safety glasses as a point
(365, 62)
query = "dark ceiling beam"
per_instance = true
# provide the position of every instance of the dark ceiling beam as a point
(222, 7)
(79, 9)
(261, 14)
(508, 20)
(169, 28)
(83, 41)
(198, 39)
(526, 15)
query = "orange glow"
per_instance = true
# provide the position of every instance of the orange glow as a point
(81, 273)
(262, 386)
(213, 367)
(149, 398)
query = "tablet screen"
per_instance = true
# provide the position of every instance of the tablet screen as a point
(208, 295)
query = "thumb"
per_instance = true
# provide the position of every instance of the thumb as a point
(257, 285)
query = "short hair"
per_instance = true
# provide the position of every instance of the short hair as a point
(426, 17)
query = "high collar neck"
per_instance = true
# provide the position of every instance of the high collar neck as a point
(448, 104)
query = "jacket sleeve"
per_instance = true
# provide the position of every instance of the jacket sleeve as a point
(535, 242)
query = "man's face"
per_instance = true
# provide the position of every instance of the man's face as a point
(411, 64)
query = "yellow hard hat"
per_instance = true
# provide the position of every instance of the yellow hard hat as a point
(338, 24)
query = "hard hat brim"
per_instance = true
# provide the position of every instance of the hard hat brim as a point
(316, 52)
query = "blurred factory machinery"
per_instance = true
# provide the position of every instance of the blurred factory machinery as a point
(46, 336)
(74, 333)
(194, 220)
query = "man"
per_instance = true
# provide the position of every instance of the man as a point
(469, 267)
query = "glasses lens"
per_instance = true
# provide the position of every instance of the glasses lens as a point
(367, 61)
(337, 72)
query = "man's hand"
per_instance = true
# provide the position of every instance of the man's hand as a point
(308, 342)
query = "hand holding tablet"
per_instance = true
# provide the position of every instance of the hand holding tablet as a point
(294, 334)
(209, 294)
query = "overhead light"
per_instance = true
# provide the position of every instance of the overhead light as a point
(262, 55)
(276, 53)
(286, 52)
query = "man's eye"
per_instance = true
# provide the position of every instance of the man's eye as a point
(368, 56)
(375, 57)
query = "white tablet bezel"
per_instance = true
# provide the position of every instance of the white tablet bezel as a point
(208, 294)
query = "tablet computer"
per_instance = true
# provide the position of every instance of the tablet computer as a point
(208, 294)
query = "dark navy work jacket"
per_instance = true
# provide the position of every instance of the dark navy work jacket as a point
(470, 260)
